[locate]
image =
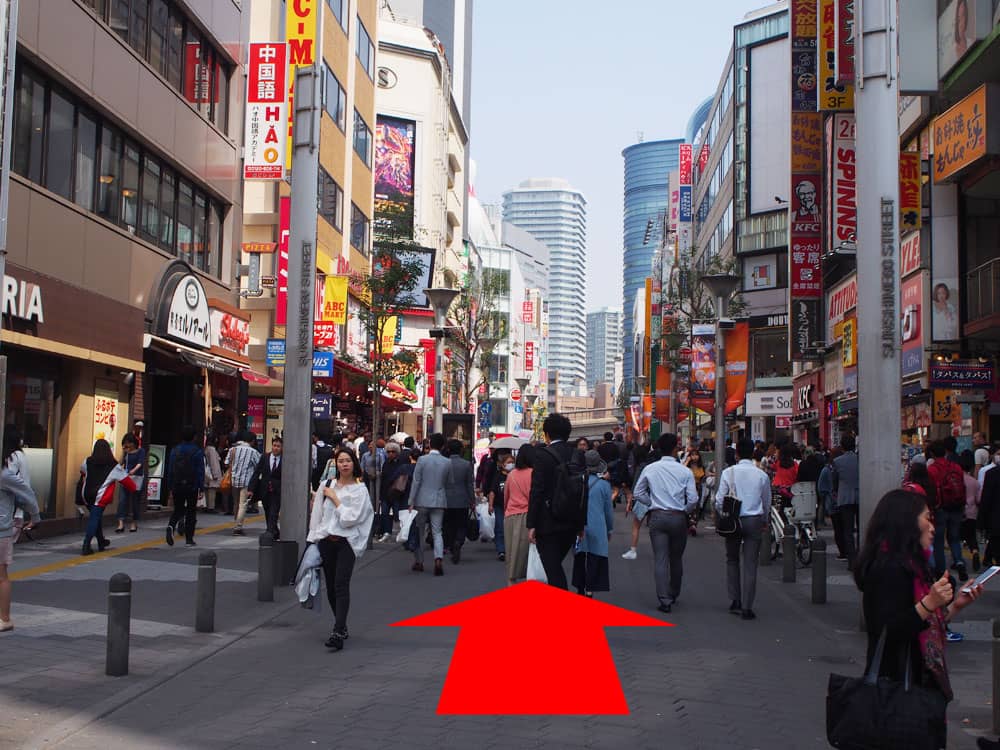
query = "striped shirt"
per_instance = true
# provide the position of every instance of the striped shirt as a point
(242, 462)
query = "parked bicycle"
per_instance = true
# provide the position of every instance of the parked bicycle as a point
(794, 505)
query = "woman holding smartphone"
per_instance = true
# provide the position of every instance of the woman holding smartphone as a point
(340, 522)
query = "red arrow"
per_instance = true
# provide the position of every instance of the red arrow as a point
(557, 636)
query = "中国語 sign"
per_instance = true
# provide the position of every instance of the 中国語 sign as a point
(963, 375)
(962, 135)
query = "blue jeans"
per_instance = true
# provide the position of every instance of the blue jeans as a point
(947, 529)
(498, 529)
(94, 527)
(128, 504)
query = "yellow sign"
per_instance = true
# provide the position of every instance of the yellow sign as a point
(388, 336)
(946, 407)
(301, 32)
(807, 143)
(960, 134)
(849, 342)
(335, 300)
(909, 191)
(832, 95)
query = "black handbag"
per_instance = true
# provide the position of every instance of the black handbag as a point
(472, 527)
(728, 521)
(879, 713)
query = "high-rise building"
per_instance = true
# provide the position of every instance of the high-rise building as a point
(604, 345)
(647, 169)
(555, 213)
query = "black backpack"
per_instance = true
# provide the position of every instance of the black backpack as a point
(568, 503)
(182, 474)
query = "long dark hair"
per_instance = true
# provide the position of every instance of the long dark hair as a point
(893, 533)
(918, 474)
(102, 453)
(525, 457)
(354, 460)
(787, 459)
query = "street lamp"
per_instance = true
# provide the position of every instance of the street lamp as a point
(522, 384)
(721, 286)
(440, 300)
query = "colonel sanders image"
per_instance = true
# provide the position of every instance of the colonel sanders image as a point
(805, 191)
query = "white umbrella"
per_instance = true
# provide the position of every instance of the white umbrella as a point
(511, 443)
(399, 437)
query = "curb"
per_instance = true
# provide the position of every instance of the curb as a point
(65, 729)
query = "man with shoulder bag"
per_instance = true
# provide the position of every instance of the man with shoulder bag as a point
(743, 505)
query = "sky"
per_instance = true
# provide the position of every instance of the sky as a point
(560, 87)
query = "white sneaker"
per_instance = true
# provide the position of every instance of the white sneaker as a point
(6, 625)
(630, 555)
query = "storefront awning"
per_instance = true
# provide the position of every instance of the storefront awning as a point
(351, 380)
(194, 357)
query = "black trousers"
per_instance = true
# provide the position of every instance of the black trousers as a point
(455, 523)
(272, 509)
(338, 565)
(186, 507)
(552, 550)
(845, 522)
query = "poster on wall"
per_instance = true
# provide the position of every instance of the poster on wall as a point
(274, 425)
(911, 325)
(703, 367)
(395, 163)
(962, 24)
(106, 413)
(255, 415)
(737, 351)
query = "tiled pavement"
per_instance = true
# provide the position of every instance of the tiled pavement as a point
(265, 679)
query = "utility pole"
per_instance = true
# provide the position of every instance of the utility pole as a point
(297, 451)
(878, 249)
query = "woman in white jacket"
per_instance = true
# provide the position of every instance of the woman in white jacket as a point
(339, 525)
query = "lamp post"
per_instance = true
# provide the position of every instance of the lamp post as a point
(530, 403)
(522, 384)
(721, 286)
(440, 300)
(487, 344)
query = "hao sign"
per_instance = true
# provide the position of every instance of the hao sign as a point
(962, 375)
(962, 134)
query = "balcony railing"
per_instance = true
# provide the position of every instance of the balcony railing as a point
(982, 290)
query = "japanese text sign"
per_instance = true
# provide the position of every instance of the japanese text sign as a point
(960, 133)
(266, 112)
(833, 94)
(909, 191)
(686, 159)
(962, 375)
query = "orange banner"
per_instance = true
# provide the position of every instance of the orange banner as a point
(663, 380)
(960, 134)
(737, 351)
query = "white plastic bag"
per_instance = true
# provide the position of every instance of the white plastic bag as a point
(405, 521)
(486, 522)
(536, 571)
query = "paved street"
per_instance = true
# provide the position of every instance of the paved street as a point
(265, 679)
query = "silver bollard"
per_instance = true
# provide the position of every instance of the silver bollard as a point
(818, 547)
(265, 568)
(119, 625)
(788, 555)
(204, 615)
(996, 676)
(765, 543)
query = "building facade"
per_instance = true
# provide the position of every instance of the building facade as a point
(647, 169)
(120, 301)
(604, 346)
(555, 213)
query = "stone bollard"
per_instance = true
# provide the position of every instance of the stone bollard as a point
(204, 613)
(788, 555)
(765, 543)
(818, 547)
(265, 568)
(996, 676)
(119, 625)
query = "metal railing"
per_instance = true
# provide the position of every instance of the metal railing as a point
(982, 290)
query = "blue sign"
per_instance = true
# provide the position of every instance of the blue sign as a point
(518, 409)
(275, 352)
(322, 364)
(322, 406)
(485, 423)
(485, 408)
(684, 210)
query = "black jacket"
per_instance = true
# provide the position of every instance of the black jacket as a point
(543, 481)
(989, 503)
(264, 483)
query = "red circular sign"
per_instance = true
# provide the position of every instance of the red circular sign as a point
(515, 395)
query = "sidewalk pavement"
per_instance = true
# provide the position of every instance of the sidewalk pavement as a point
(265, 679)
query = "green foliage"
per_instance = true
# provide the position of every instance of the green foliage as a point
(473, 318)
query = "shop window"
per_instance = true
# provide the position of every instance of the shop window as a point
(362, 139)
(220, 98)
(150, 224)
(130, 186)
(175, 50)
(86, 161)
(366, 50)
(118, 20)
(159, 33)
(59, 145)
(168, 209)
(29, 128)
(206, 87)
(198, 232)
(499, 413)
(109, 180)
(770, 356)
(499, 364)
(334, 98)
(185, 220)
(331, 201)
(359, 230)
(139, 26)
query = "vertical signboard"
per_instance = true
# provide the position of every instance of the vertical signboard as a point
(909, 191)
(281, 260)
(529, 356)
(911, 301)
(395, 154)
(833, 94)
(944, 264)
(302, 34)
(266, 112)
(843, 24)
(844, 166)
(806, 184)
(703, 367)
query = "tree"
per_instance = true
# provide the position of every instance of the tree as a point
(474, 318)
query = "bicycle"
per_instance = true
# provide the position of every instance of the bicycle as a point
(794, 505)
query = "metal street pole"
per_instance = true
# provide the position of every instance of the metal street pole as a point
(878, 247)
(440, 300)
(297, 453)
(721, 286)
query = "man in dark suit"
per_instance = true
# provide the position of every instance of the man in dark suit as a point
(265, 485)
(461, 498)
(553, 538)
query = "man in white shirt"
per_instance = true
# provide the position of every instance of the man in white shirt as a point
(752, 488)
(669, 489)
(990, 463)
(982, 452)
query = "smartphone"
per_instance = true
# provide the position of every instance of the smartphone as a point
(983, 578)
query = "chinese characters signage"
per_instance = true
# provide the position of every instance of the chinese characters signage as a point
(909, 191)
(686, 158)
(832, 93)
(529, 356)
(528, 312)
(962, 375)
(805, 261)
(106, 413)
(266, 113)
(844, 36)
(960, 134)
(803, 34)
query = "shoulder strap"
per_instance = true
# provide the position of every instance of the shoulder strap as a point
(871, 676)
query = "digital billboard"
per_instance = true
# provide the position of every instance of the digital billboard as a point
(395, 151)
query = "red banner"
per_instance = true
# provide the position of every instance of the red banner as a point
(737, 360)
(662, 404)
(686, 160)
(430, 361)
(844, 30)
(806, 279)
(529, 356)
(324, 333)
(284, 224)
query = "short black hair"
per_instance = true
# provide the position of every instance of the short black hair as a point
(187, 433)
(951, 444)
(667, 444)
(437, 441)
(557, 426)
(847, 442)
(745, 448)
(609, 436)
(455, 447)
(277, 439)
(408, 442)
(525, 457)
(938, 449)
